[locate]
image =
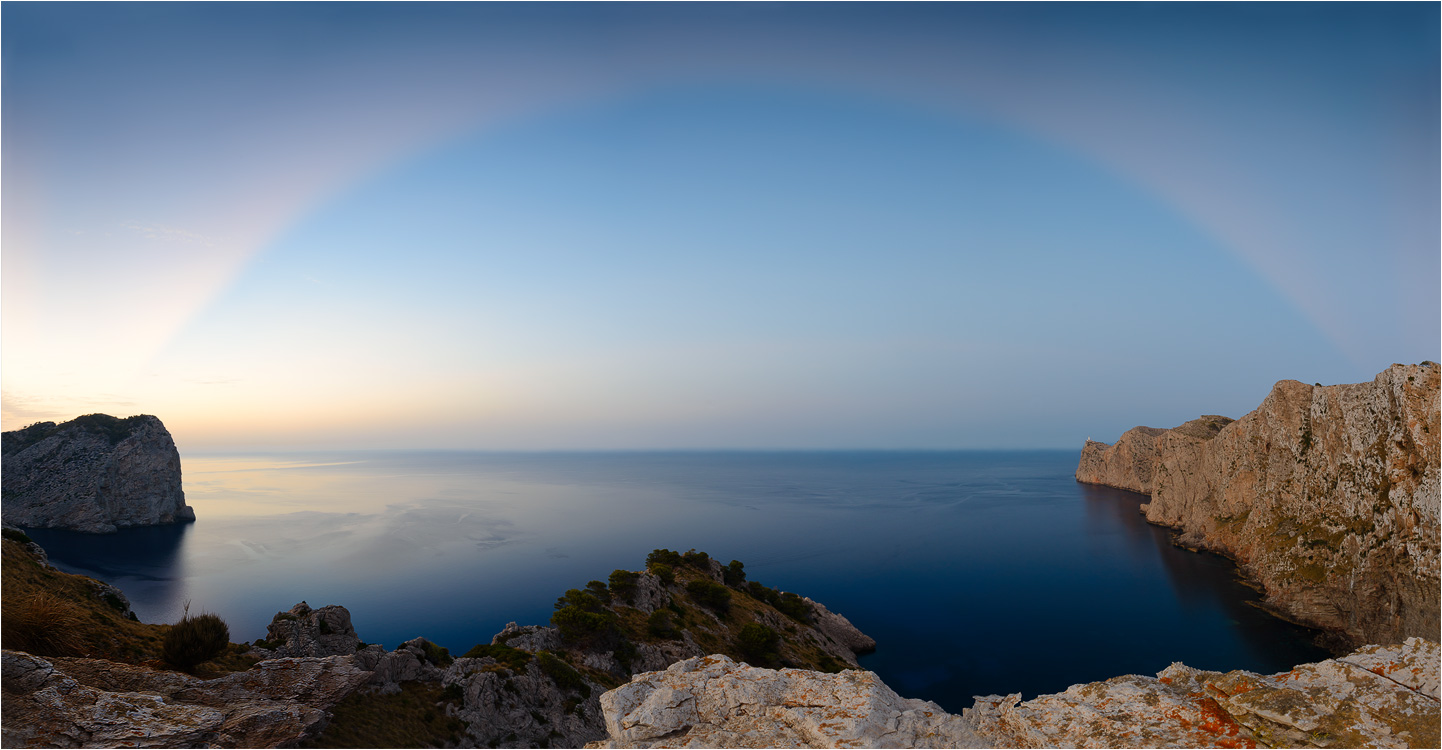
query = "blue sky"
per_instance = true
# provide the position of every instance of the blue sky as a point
(709, 226)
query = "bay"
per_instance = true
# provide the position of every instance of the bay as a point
(977, 572)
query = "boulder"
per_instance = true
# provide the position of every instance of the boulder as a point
(303, 631)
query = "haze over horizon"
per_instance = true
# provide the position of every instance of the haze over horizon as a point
(696, 226)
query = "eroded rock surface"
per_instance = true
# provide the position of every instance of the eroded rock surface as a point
(94, 474)
(1327, 497)
(95, 703)
(713, 701)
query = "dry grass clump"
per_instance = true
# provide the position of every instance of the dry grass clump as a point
(42, 623)
(194, 640)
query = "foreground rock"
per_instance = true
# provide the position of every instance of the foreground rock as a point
(712, 701)
(95, 474)
(1375, 697)
(94, 703)
(1327, 497)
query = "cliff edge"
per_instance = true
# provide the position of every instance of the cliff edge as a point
(95, 473)
(1326, 496)
(1378, 696)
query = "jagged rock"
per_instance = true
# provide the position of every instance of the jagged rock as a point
(303, 631)
(531, 638)
(409, 662)
(712, 701)
(1327, 497)
(96, 703)
(94, 474)
(650, 594)
(523, 707)
(1333, 703)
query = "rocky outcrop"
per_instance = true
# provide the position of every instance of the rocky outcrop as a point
(525, 703)
(303, 631)
(1326, 496)
(94, 473)
(1375, 697)
(712, 701)
(839, 629)
(94, 703)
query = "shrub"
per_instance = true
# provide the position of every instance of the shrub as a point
(758, 643)
(563, 674)
(194, 640)
(583, 618)
(15, 535)
(599, 590)
(437, 655)
(793, 606)
(623, 584)
(512, 658)
(710, 594)
(664, 572)
(42, 624)
(734, 574)
(663, 557)
(789, 604)
(659, 624)
(697, 560)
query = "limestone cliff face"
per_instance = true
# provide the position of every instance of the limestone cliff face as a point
(1130, 463)
(95, 474)
(1327, 496)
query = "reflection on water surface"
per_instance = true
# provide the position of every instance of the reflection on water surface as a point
(976, 572)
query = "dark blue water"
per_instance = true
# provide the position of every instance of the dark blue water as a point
(976, 572)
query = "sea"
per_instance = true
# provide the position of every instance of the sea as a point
(977, 572)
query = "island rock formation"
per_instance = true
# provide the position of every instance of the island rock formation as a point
(95, 473)
(1326, 496)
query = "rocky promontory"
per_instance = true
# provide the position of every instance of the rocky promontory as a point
(95, 473)
(1326, 496)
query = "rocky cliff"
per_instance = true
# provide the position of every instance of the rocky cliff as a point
(1375, 697)
(94, 473)
(1326, 496)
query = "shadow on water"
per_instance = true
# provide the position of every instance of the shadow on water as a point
(1208, 583)
(146, 562)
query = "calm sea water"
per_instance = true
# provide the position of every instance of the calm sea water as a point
(976, 572)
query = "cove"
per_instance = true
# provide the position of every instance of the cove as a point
(977, 572)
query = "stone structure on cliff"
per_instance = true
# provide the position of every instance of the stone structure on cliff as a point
(1326, 496)
(94, 473)
(1375, 697)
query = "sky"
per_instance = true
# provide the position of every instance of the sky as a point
(707, 226)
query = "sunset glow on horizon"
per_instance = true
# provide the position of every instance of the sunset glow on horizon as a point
(657, 226)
